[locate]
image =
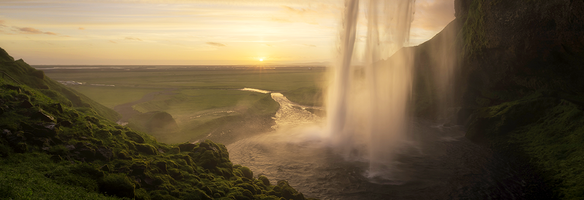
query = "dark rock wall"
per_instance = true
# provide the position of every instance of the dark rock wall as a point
(515, 47)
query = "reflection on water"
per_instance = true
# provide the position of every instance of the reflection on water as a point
(255, 90)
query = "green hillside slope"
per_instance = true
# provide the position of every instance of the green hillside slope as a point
(58, 144)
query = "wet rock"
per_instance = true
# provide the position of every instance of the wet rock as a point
(134, 137)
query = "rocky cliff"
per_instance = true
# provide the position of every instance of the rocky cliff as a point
(521, 84)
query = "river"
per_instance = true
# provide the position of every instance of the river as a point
(440, 163)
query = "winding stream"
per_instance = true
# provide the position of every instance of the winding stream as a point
(440, 163)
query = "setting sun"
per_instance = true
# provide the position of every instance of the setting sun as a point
(261, 59)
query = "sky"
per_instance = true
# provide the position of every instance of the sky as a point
(186, 32)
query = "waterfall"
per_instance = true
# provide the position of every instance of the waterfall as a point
(367, 104)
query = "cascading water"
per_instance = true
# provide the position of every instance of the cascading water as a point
(368, 123)
(367, 105)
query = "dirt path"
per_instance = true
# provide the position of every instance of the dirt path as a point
(127, 111)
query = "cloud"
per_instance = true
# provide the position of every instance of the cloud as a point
(2, 23)
(270, 45)
(310, 45)
(133, 38)
(81, 28)
(113, 41)
(29, 30)
(216, 44)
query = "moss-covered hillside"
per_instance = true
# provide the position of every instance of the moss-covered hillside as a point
(58, 144)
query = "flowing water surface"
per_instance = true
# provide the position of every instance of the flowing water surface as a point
(436, 163)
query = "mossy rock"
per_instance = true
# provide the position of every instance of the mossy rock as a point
(247, 173)
(187, 147)
(284, 189)
(134, 137)
(138, 167)
(491, 122)
(103, 134)
(146, 149)
(264, 180)
(197, 194)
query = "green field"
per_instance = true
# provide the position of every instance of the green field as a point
(201, 99)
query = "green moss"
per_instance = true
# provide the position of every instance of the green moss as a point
(555, 143)
(473, 32)
(546, 130)
(264, 180)
(80, 152)
(35, 176)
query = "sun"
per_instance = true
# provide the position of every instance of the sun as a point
(261, 60)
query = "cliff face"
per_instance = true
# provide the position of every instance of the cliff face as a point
(520, 80)
(516, 47)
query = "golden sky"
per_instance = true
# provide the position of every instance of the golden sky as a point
(185, 32)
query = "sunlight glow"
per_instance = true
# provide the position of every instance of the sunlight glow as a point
(179, 32)
(261, 60)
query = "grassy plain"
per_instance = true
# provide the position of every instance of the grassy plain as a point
(202, 99)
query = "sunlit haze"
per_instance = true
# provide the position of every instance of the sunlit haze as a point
(183, 32)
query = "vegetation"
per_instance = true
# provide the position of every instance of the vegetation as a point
(545, 129)
(200, 100)
(59, 146)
